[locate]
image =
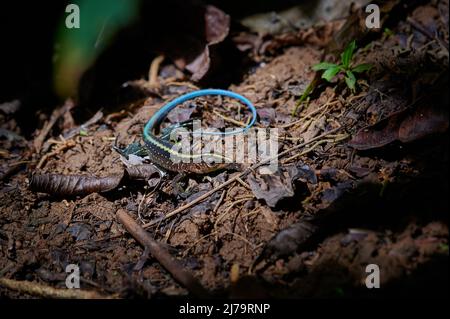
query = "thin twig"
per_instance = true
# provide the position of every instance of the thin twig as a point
(310, 114)
(289, 159)
(243, 183)
(187, 84)
(196, 242)
(68, 144)
(245, 240)
(229, 119)
(84, 127)
(222, 196)
(337, 139)
(225, 213)
(159, 252)
(427, 33)
(56, 114)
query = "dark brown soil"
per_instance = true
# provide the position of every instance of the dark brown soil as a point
(386, 206)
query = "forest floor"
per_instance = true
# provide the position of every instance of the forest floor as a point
(374, 191)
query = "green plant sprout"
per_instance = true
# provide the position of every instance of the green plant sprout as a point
(345, 67)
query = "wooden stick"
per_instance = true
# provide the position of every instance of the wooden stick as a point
(172, 265)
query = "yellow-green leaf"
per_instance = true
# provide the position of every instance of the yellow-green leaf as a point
(323, 66)
(350, 80)
(330, 73)
(347, 55)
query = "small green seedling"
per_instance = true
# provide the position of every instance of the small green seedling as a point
(345, 67)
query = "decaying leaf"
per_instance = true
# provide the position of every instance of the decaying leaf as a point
(142, 172)
(275, 187)
(200, 65)
(267, 115)
(72, 185)
(404, 126)
(426, 120)
(217, 26)
(80, 231)
(355, 26)
(181, 114)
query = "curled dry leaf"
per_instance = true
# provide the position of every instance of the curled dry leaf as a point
(271, 187)
(72, 185)
(145, 172)
(331, 194)
(217, 24)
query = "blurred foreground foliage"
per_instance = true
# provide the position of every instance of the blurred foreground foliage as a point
(76, 49)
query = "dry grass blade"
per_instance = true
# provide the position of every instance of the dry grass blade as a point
(44, 291)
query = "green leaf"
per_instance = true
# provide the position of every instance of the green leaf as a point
(330, 73)
(362, 68)
(350, 80)
(323, 66)
(347, 55)
(388, 32)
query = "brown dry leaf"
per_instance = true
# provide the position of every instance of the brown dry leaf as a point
(405, 126)
(142, 172)
(272, 188)
(425, 121)
(275, 187)
(200, 65)
(72, 185)
(355, 27)
(379, 134)
(217, 27)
